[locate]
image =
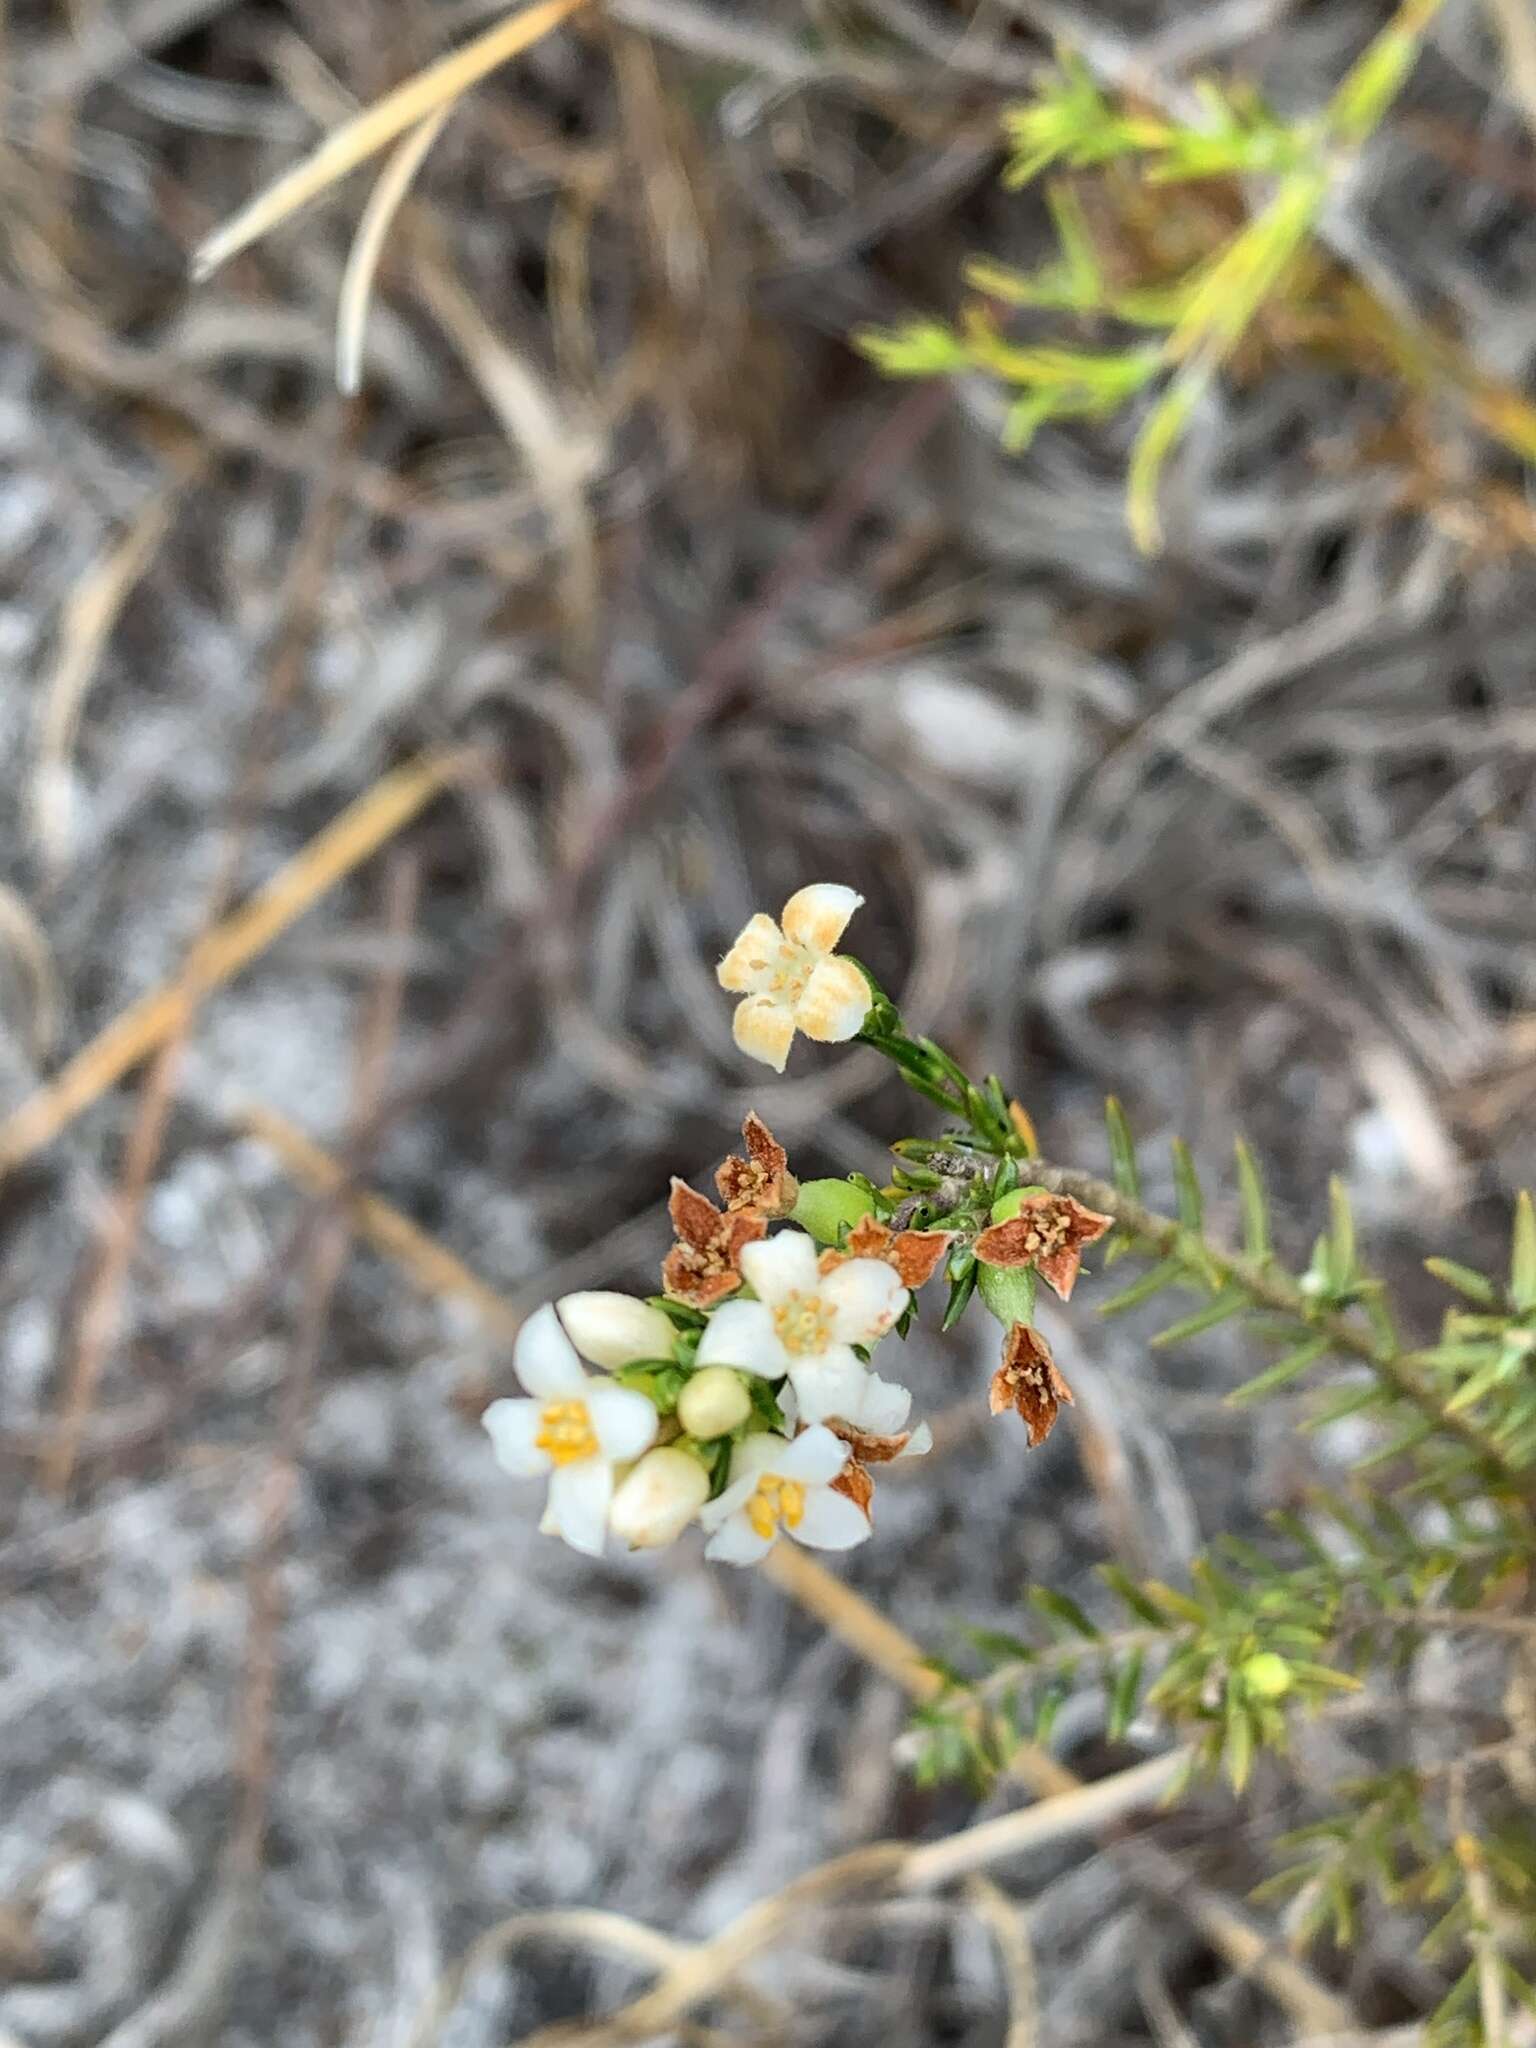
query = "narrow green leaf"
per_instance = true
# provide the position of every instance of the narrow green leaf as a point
(1125, 1694)
(1281, 1373)
(1522, 1256)
(1237, 1750)
(1162, 1275)
(1063, 1609)
(1120, 1582)
(1341, 1236)
(1255, 1207)
(1475, 1286)
(1122, 1149)
(1221, 1310)
(1187, 1184)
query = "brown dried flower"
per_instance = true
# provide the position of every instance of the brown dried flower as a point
(854, 1482)
(762, 1181)
(1048, 1233)
(705, 1264)
(1030, 1382)
(915, 1254)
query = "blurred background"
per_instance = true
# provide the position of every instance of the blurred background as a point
(624, 599)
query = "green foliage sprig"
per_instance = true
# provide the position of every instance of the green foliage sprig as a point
(1198, 318)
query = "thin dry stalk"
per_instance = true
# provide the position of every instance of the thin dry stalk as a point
(384, 202)
(430, 91)
(90, 612)
(361, 829)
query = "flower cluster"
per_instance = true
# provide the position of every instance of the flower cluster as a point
(744, 1396)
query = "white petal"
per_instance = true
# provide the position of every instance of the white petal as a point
(614, 1330)
(817, 916)
(835, 1003)
(815, 1457)
(830, 1521)
(735, 1497)
(623, 1421)
(763, 1451)
(883, 1407)
(919, 1444)
(764, 1028)
(832, 1384)
(578, 1499)
(754, 958)
(512, 1426)
(545, 1359)
(741, 1333)
(867, 1295)
(737, 1542)
(784, 1264)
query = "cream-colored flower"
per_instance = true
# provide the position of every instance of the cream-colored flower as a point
(805, 1323)
(784, 1487)
(574, 1429)
(790, 979)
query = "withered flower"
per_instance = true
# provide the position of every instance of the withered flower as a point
(762, 1181)
(705, 1264)
(1030, 1382)
(1048, 1233)
(916, 1255)
(866, 1448)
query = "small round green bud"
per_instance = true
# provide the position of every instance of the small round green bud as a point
(1008, 1291)
(1266, 1676)
(714, 1402)
(1006, 1207)
(824, 1207)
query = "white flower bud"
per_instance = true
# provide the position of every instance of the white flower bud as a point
(660, 1497)
(614, 1330)
(713, 1402)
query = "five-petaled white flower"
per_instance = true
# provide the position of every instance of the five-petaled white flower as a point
(805, 1324)
(790, 979)
(574, 1429)
(782, 1485)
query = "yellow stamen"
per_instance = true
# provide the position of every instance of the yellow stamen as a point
(804, 1324)
(776, 1502)
(566, 1433)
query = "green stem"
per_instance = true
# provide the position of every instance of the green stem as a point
(1273, 1287)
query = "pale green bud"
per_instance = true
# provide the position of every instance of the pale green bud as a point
(1006, 1207)
(658, 1499)
(1266, 1676)
(1008, 1291)
(713, 1403)
(824, 1207)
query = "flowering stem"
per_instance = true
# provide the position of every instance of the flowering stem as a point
(990, 1130)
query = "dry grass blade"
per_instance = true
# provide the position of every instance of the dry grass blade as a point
(1516, 24)
(1007, 1926)
(89, 615)
(360, 830)
(558, 458)
(430, 92)
(384, 203)
(21, 932)
(430, 1265)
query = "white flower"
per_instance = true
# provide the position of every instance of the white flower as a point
(574, 1429)
(881, 1409)
(778, 1485)
(791, 980)
(805, 1323)
(658, 1498)
(615, 1330)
